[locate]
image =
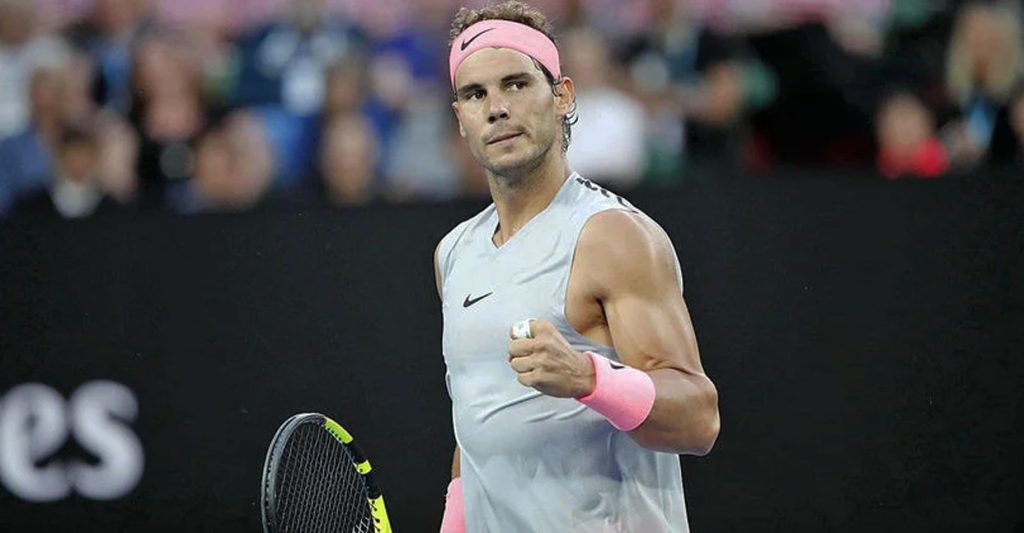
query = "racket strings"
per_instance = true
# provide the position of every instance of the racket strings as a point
(319, 487)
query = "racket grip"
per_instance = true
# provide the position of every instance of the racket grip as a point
(454, 520)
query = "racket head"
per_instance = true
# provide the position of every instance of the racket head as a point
(313, 464)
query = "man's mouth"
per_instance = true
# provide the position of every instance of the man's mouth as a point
(504, 137)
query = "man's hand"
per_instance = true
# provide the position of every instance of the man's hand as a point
(545, 361)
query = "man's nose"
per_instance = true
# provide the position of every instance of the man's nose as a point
(498, 110)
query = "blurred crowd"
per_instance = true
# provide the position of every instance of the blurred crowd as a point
(226, 105)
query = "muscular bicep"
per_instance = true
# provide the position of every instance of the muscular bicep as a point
(632, 267)
(650, 332)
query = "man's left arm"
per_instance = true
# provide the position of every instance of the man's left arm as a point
(626, 262)
(630, 262)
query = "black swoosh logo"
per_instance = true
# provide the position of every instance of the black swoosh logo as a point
(468, 302)
(465, 43)
(616, 366)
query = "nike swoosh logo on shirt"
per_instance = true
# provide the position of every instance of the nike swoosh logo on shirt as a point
(465, 43)
(470, 301)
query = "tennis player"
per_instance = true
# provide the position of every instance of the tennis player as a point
(572, 364)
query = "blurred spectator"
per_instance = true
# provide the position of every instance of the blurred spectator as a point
(392, 90)
(409, 108)
(907, 142)
(913, 55)
(827, 56)
(284, 63)
(119, 153)
(616, 20)
(55, 15)
(167, 111)
(696, 85)
(283, 72)
(350, 100)
(76, 102)
(348, 160)
(858, 27)
(985, 62)
(27, 157)
(415, 31)
(213, 167)
(608, 141)
(225, 15)
(110, 36)
(409, 97)
(75, 191)
(22, 51)
(757, 16)
(420, 164)
(346, 87)
(233, 168)
(253, 162)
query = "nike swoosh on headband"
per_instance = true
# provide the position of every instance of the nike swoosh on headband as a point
(465, 43)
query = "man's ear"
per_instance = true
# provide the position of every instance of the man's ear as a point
(565, 94)
(455, 108)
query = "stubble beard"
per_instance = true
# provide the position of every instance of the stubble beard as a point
(516, 175)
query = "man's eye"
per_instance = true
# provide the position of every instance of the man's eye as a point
(476, 95)
(519, 84)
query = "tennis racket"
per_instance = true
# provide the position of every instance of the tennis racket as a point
(315, 479)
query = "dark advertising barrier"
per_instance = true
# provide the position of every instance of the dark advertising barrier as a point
(866, 339)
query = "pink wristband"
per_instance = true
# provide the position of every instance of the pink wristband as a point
(454, 520)
(623, 394)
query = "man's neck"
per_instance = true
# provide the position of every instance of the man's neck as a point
(517, 203)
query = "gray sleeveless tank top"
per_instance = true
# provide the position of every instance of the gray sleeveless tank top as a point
(531, 462)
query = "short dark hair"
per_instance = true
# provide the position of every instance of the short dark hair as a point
(523, 13)
(511, 10)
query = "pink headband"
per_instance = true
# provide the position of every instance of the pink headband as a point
(504, 34)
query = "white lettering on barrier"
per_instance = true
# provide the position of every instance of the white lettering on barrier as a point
(34, 425)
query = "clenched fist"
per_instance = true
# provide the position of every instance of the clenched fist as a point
(543, 359)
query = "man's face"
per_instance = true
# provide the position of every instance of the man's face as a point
(347, 163)
(45, 93)
(78, 161)
(507, 112)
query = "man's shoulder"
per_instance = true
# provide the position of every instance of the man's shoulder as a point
(626, 226)
(621, 243)
(456, 234)
(588, 198)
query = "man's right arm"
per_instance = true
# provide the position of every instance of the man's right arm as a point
(454, 520)
(437, 269)
(456, 464)
(437, 281)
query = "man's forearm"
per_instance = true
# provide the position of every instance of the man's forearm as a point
(684, 418)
